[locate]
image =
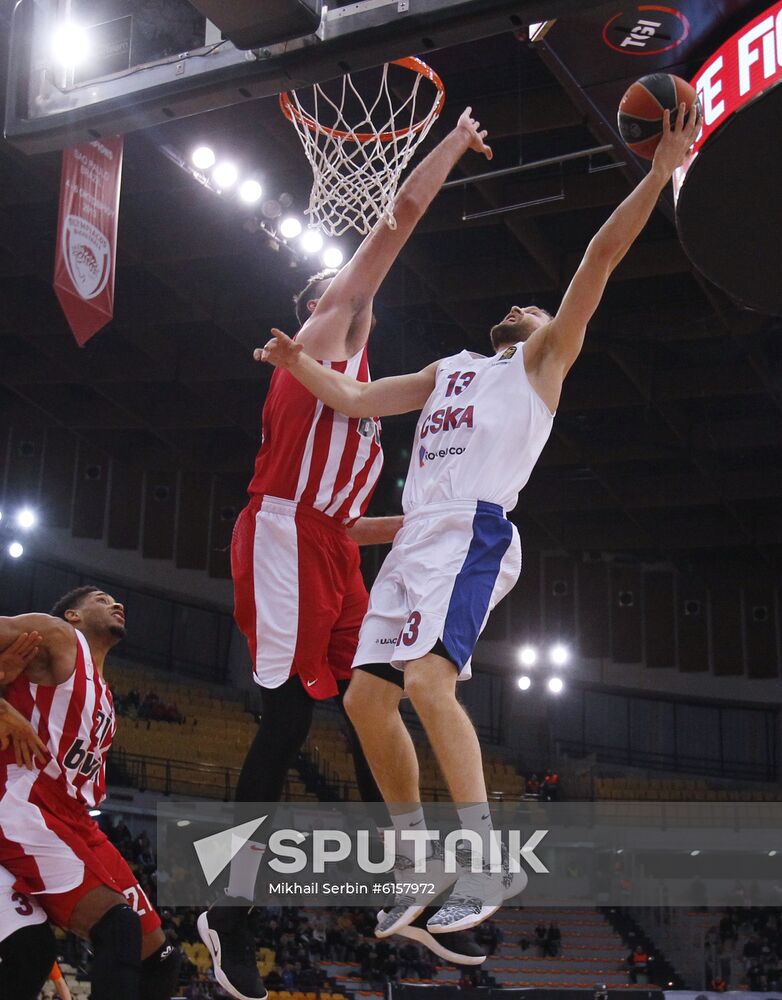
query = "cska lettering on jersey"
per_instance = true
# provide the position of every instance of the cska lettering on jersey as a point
(82, 761)
(450, 418)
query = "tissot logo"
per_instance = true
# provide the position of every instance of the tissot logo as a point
(645, 30)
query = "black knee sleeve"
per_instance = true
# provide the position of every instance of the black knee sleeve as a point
(26, 959)
(116, 966)
(160, 973)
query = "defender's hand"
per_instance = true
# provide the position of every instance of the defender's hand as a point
(280, 351)
(18, 655)
(474, 133)
(28, 747)
(675, 142)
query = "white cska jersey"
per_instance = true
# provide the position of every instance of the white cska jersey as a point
(480, 432)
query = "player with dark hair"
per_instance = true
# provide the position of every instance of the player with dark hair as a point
(484, 423)
(55, 852)
(298, 590)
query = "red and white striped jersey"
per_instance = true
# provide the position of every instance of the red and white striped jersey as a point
(314, 456)
(75, 720)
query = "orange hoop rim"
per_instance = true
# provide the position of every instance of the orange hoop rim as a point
(413, 63)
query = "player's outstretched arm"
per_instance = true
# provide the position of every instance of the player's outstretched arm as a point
(563, 338)
(375, 530)
(341, 322)
(384, 398)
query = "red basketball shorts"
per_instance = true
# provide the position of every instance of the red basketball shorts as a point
(57, 854)
(299, 597)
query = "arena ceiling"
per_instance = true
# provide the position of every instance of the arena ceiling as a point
(668, 442)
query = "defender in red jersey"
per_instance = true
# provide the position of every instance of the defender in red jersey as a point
(55, 851)
(298, 590)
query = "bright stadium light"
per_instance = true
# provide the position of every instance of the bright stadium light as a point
(94, 813)
(772, 854)
(290, 228)
(332, 257)
(183, 822)
(15, 549)
(203, 157)
(528, 656)
(524, 683)
(225, 175)
(26, 518)
(70, 45)
(694, 854)
(250, 191)
(311, 241)
(555, 685)
(559, 654)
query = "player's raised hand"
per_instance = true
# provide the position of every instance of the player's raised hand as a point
(675, 142)
(29, 749)
(18, 655)
(280, 351)
(475, 134)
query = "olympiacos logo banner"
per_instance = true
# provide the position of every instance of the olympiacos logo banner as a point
(87, 234)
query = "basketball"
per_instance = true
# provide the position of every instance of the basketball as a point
(640, 115)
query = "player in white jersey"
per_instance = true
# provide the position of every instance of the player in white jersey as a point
(483, 426)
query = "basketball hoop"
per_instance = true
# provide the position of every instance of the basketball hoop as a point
(359, 146)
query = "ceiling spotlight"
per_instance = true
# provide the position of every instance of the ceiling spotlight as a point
(94, 812)
(15, 549)
(694, 854)
(555, 685)
(26, 518)
(528, 656)
(250, 191)
(290, 228)
(70, 45)
(203, 158)
(524, 683)
(559, 654)
(183, 822)
(225, 175)
(332, 257)
(311, 241)
(772, 854)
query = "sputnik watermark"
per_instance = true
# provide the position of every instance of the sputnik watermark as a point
(460, 850)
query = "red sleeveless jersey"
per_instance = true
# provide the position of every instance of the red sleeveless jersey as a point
(76, 721)
(314, 456)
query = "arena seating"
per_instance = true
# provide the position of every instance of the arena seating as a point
(677, 790)
(591, 950)
(203, 755)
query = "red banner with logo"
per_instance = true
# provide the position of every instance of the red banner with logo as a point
(87, 234)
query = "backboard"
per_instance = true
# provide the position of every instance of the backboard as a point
(50, 107)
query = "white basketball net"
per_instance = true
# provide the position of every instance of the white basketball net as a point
(358, 148)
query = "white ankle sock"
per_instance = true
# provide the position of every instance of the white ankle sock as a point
(244, 870)
(478, 819)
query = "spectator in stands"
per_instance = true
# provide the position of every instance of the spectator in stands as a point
(540, 937)
(718, 985)
(524, 942)
(549, 791)
(553, 940)
(488, 935)
(638, 961)
(533, 786)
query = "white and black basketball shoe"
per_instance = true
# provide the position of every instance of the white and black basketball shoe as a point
(228, 936)
(476, 896)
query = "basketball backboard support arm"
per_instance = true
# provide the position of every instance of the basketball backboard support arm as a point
(41, 117)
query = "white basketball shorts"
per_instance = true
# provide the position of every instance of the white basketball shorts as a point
(16, 909)
(450, 564)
